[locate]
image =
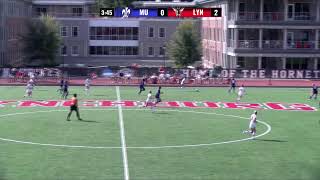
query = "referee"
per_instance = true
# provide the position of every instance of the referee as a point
(74, 107)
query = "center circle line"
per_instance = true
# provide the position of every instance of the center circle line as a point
(136, 147)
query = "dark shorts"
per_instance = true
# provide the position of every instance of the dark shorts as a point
(315, 92)
(142, 87)
(233, 85)
(73, 108)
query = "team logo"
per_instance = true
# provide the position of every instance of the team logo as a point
(126, 12)
(178, 11)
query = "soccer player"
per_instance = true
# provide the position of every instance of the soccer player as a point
(253, 124)
(314, 92)
(150, 102)
(241, 92)
(142, 83)
(65, 92)
(87, 85)
(61, 86)
(232, 85)
(29, 90)
(157, 96)
(31, 81)
(182, 81)
(74, 107)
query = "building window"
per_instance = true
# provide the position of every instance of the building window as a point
(113, 50)
(75, 51)
(161, 51)
(162, 32)
(240, 62)
(99, 50)
(121, 33)
(41, 10)
(114, 33)
(150, 51)
(150, 32)
(75, 31)
(64, 31)
(135, 33)
(1, 34)
(63, 51)
(93, 50)
(77, 11)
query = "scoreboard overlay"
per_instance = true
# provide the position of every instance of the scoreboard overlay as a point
(161, 12)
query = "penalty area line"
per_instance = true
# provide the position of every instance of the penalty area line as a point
(123, 137)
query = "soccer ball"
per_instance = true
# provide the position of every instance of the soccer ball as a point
(197, 90)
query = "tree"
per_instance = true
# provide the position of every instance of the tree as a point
(42, 42)
(185, 47)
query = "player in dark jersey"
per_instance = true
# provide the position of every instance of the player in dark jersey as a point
(314, 92)
(142, 83)
(61, 86)
(65, 90)
(157, 96)
(232, 85)
(74, 107)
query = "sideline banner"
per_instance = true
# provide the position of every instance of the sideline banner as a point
(151, 71)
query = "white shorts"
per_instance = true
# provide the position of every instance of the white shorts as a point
(182, 82)
(240, 94)
(28, 91)
(252, 125)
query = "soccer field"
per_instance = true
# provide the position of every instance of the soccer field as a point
(194, 135)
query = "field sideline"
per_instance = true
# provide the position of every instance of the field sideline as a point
(120, 141)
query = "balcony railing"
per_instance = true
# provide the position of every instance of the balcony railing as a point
(68, 15)
(249, 16)
(248, 44)
(113, 37)
(272, 16)
(301, 45)
(272, 44)
(302, 16)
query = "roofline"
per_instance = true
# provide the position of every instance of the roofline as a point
(208, 1)
(163, 4)
(65, 2)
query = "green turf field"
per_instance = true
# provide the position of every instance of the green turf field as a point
(171, 143)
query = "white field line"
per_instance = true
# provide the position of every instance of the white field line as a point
(123, 137)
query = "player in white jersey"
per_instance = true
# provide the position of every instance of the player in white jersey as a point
(87, 85)
(29, 89)
(253, 124)
(182, 81)
(31, 81)
(241, 92)
(149, 101)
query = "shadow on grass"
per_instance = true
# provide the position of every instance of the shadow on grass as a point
(42, 90)
(100, 95)
(270, 140)
(90, 121)
(160, 112)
